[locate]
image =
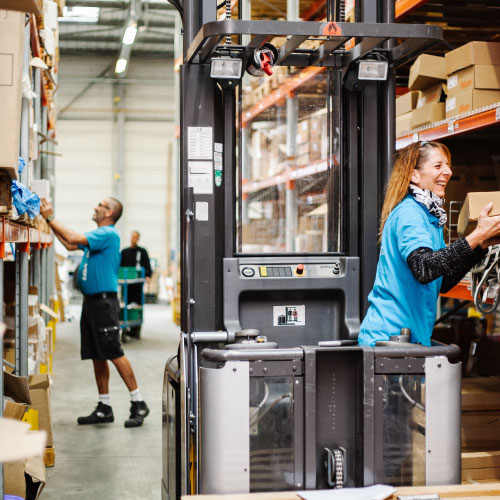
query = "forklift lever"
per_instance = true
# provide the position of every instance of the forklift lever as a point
(265, 64)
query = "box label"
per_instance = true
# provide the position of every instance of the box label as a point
(452, 82)
(421, 102)
(451, 104)
(289, 315)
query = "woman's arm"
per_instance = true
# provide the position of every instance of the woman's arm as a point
(451, 262)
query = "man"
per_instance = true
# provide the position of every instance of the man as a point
(136, 256)
(100, 322)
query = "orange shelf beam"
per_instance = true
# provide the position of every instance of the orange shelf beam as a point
(451, 127)
(281, 93)
(10, 232)
(404, 7)
(460, 291)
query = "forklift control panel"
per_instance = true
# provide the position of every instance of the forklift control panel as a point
(323, 270)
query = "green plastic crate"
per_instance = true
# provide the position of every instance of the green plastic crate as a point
(132, 314)
(128, 273)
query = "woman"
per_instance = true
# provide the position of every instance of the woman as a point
(414, 264)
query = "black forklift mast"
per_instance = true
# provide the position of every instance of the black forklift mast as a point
(367, 125)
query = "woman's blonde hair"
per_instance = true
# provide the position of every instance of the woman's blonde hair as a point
(407, 160)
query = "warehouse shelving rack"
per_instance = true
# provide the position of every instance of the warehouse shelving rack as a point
(32, 248)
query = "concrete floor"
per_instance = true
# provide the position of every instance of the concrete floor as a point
(108, 461)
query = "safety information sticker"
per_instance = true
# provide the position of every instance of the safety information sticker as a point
(289, 315)
(200, 143)
(200, 177)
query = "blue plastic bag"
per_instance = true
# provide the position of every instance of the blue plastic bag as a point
(24, 200)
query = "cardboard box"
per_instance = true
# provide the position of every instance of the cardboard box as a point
(434, 93)
(15, 484)
(425, 71)
(479, 76)
(14, 410)
(473, 205)
(21, 6)
(11, 65)
(470, 100)
(472, 53)
(406, 102)
(40, 401)
(403, 124)
(429, 113)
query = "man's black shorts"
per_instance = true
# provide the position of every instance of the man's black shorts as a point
(100, 329)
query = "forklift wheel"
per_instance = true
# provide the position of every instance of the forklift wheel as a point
(135, 331)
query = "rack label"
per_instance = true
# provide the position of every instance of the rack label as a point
(289, 315)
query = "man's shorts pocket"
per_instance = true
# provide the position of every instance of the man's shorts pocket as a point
(109, 339)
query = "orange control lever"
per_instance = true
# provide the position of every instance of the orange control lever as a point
(265, 64)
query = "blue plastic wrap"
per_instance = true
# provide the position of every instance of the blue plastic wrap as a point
(24, 200)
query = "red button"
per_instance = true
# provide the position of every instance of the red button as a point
(300, 269)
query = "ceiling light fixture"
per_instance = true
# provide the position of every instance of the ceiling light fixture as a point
(129, 35)
(121, 65)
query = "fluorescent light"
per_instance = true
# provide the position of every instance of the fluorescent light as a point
(129, 35)
(121, 64)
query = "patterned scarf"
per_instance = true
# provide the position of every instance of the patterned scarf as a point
(431, 201)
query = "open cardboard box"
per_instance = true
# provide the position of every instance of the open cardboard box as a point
(473, 206)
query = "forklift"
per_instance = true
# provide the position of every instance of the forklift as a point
(269, 390)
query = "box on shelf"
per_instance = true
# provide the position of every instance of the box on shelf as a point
(425, 71)
(11, 65)
(403, 123)
(434, 93)
(15, 483)
(406, 102)
(473, 205)
(14, 410)
(40, 401)
(472, 53)
(41, 187)
(429, 113)
(470, 100)
(31, 6)
(479, 76)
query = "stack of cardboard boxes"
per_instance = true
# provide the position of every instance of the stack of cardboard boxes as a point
(465, 79)
(425, 102)
(28, 399)
(473, 72)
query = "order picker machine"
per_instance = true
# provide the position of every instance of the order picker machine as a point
(269, 389)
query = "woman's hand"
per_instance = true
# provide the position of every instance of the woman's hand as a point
(487, 231)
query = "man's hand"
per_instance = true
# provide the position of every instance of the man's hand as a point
(46, 208)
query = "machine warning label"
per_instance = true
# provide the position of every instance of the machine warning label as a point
(289, 315)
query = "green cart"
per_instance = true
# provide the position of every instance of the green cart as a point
(131, 315)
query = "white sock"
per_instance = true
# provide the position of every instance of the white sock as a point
(136, 395)
(105, 399)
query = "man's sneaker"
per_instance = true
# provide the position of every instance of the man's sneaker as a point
(102, 414)
(138, 412)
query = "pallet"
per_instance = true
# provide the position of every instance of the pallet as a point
(49, 456)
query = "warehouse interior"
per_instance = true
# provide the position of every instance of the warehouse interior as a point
(258, 195)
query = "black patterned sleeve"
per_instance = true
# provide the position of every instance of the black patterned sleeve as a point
(451, 262)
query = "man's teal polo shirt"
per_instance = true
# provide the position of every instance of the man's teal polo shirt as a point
(98, 271)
